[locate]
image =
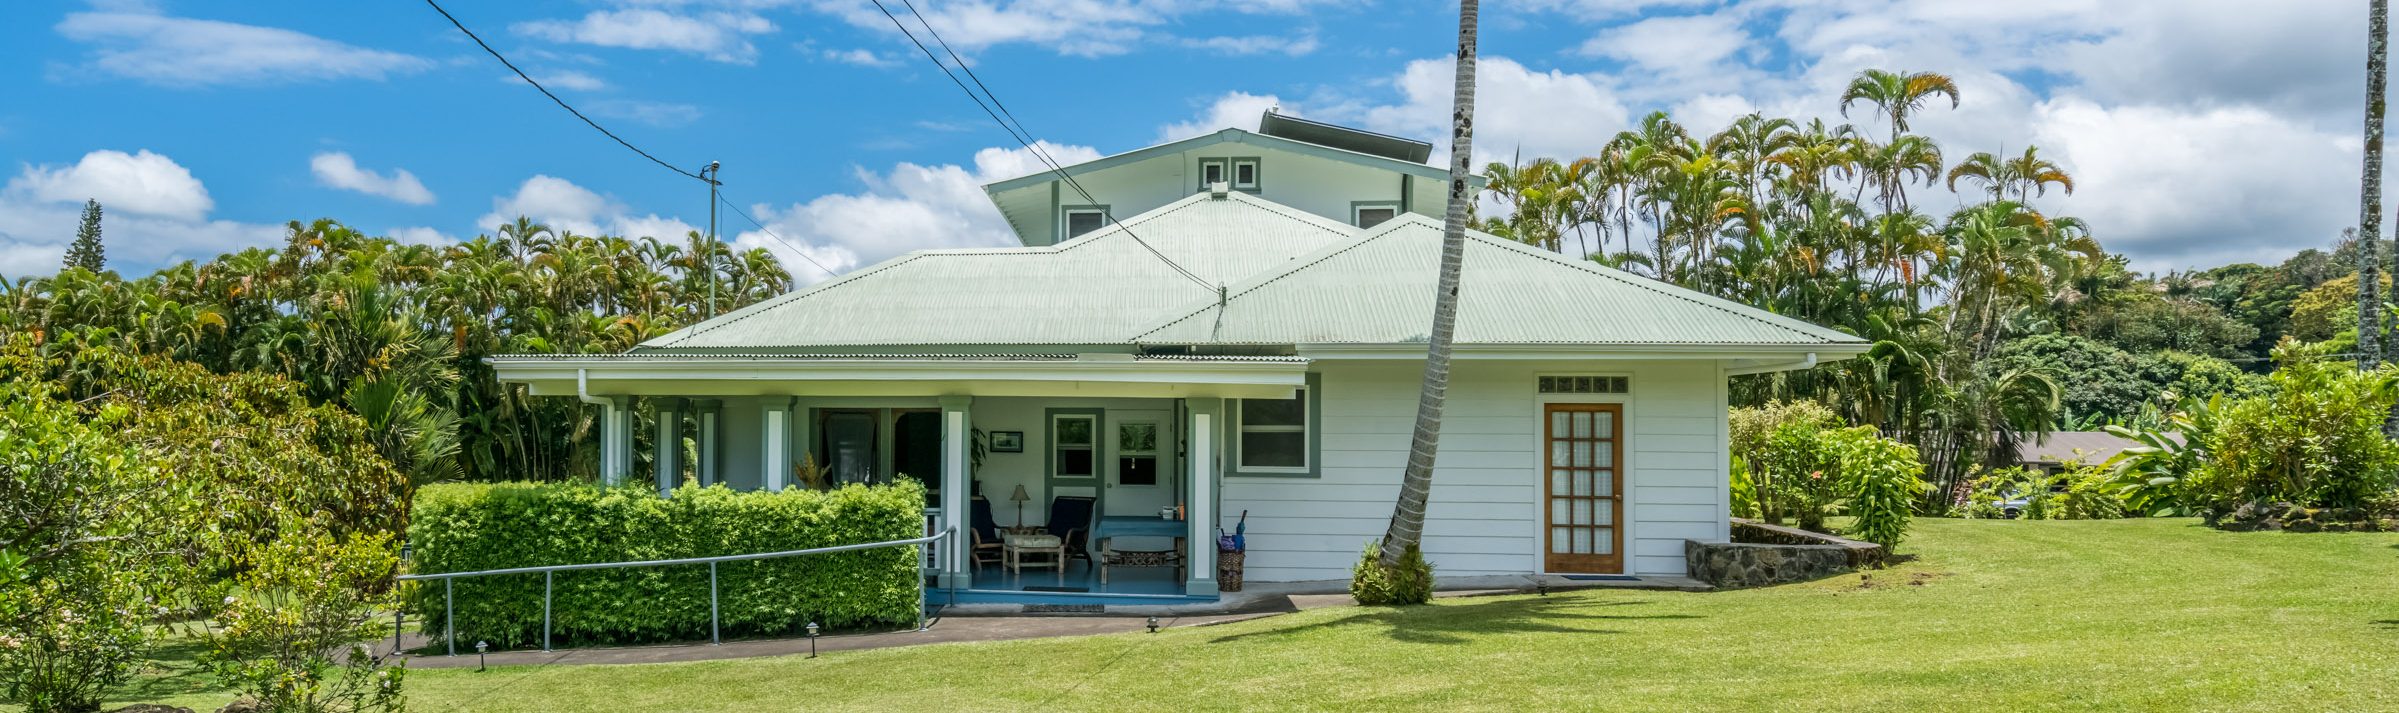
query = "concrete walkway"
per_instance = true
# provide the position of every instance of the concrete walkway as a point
(1005, 622)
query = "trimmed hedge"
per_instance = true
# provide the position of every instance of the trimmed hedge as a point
(465, 527)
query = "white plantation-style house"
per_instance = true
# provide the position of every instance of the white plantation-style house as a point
(1233, 323)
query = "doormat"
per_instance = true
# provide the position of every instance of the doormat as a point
(1065, 609)
(1602, 578)
(1070, 590)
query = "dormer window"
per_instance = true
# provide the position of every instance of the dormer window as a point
(1082, 219)
(1245, 174)
(1368, 215)
(1212, 171)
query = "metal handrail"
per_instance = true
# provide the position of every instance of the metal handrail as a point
(549, 572)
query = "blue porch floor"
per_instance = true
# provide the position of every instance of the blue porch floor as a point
(1077, 583)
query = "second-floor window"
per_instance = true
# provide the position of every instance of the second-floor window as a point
(1245, 174)
(1084, 220)
(1212, 172)
(1368, 216)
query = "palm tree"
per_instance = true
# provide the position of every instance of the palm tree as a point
(2025, 176)
(2369, 218)
(1898, 95)
(1416, 481)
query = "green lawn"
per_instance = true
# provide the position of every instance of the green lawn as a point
(2134, 614)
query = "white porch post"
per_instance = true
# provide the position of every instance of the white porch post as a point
(1201, 507)
(956, 480)
(707, 411)
(776, 459)
(616, 441)
(666, 444)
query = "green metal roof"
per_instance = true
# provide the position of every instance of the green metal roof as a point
(1289, 278)
(1379, 289)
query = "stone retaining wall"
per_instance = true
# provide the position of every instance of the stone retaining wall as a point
(1763, 555)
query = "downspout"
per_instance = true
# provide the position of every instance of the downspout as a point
(1794, 365)
(583, 389)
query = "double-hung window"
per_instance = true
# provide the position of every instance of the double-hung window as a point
(1271, 436)
(1074, 445)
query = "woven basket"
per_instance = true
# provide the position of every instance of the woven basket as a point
(1228, 571)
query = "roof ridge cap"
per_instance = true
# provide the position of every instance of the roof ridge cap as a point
(1667, 290)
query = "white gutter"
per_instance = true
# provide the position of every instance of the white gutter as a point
(1795, 365)
(583, 389)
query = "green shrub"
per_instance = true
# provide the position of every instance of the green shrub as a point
(1882, 479)
(2315, 441)
(1774, 447)
(2091, 493)
(458, 528)
(1373, 584)
(293, 640)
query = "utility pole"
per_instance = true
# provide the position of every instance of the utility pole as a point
(709, 263)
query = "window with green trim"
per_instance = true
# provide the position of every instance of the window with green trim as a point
(1272, 435)
(1074, 445)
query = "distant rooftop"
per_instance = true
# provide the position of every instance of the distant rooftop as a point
(1342, 137)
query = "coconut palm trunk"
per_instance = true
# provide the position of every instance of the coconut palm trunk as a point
(1416, 482)
(2369, 218)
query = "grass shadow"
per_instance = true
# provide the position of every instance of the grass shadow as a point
(1452, 623)
(172, 668)
(2387, 623)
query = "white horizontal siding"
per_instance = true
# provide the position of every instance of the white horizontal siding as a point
(1484, 515)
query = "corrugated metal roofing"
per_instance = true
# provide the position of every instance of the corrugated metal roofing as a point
(1380, 288)
(1098, 289)
(1291, 278)
(714, 356)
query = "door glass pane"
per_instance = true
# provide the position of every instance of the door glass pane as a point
(1607, 483)
(1604, 455)
(1557, 424)
(1607, 424)
(1558, 481)
(1558, 454)
(1582, 483)
(1559, 540)
(1561, 512)
(1582, 454)
(1137, 437)
(1582, 512)
(1582, 541)
(849, 438)
(1603, 513)
(1137, 470)
(1606, 540)
(1582, 424)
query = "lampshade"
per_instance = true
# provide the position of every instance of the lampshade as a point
(1020, 495)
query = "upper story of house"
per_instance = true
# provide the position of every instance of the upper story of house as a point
(1357, 177)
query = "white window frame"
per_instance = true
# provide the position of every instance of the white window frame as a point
(1224, 171)
(1066, 215)
(1357, 211)
(1307, 454)
(1257, 174)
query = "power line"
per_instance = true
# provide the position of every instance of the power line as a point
(545, 91)
(1017, 131)
(795, 249)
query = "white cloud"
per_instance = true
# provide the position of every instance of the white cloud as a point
(1552, 113)
(659, 114)
(154, 212)
(1081, 28)
(716, 35)
(1675, 44)
(337, 169)
(861, 57)
(143, 182)
(910, 207)
(420, 235)
(1289, 46)
(187, 53)
(1233, 110)
(561, 204)
(567, 79)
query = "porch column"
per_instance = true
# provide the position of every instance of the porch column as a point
(776, 459)
(616, 441)
(956, 480)
(666, 444)
(707, 411)
(1200, 507)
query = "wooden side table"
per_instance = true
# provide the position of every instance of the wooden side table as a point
(1014, 547)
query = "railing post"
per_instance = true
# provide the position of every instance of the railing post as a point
(920, 599)
(449, 616)
(397, 622)
(712, 638)
(546, 578)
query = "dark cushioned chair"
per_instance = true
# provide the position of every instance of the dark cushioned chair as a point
(1070, 520)
(986, 529)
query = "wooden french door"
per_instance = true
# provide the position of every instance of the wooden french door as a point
(1583, 488)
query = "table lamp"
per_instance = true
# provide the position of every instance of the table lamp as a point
(1019, 497)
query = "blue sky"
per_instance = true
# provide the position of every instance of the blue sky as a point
(2202, 131)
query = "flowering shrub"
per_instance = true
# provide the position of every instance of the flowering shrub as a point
(293, 641)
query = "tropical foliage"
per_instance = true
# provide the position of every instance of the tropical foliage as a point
(396, 333)
(2316, 440)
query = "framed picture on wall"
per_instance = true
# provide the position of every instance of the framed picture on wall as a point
(1007, 441)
